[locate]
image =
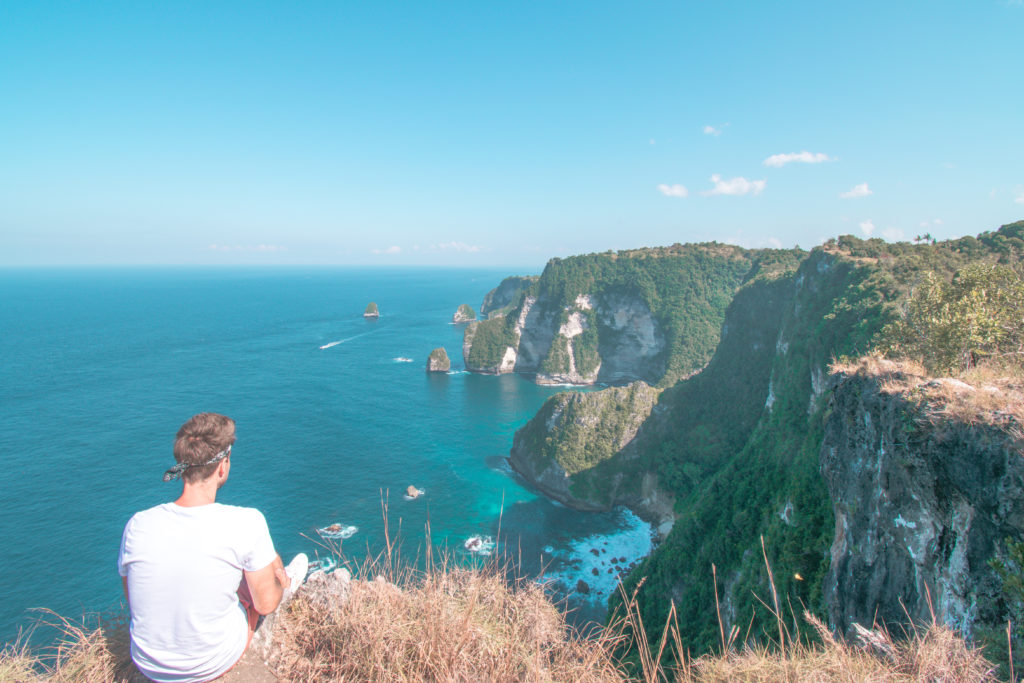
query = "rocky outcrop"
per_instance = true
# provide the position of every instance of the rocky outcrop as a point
(464, 314)
(438, 361)
(371, 310)
(927, 482)
(499, 299)
(578, 450)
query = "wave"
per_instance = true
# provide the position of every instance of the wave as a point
(327, 346)
(479, 545)
(600, 559)
(402, 359)
(337, 531)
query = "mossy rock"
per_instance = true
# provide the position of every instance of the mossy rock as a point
(438, 361)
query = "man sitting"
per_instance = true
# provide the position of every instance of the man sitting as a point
(197, 574)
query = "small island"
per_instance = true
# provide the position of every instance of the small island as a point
(371, 310)
(464, 314)
(438, 361)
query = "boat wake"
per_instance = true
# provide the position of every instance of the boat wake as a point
(327, 346)
(402, 359)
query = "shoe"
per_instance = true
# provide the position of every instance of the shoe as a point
(296, 571)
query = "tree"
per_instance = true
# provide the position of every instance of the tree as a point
(952, 325)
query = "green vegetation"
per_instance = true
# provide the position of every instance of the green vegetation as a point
(371, 310)
(557, 360)
(584, 347)
(686, 287)
(438, 360)
(950, 326)
(739, 442)
(488, 341)
(465, 312)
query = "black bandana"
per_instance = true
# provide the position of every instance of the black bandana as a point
(180, 468)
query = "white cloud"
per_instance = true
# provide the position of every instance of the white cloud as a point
(392, 250)
(456, 246)
(712, 130)
(867, 227)
(247, 247)
(775, 242)
(1019, 198)
(803, 157)
(673, 190)
(934, 221)
(892, 234)
(651, 141)
(856, 191)
(734, 186)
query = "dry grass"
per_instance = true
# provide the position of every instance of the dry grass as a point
(457, 624)
(82, 654)
(988, 394)
(447, 624)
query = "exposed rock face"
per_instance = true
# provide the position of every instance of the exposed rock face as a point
(578, 451)
(438, 361)
(922, 500)
(634, 343)
(371, 310)
(505, 294)
(464, 314)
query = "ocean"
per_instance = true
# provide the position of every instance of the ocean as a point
(334, 413)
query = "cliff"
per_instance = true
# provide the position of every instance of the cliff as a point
(926, 479)
(578, 450)
(501, 298)
(617, 317)
(737, 444)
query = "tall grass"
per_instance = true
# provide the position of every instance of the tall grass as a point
(447, 622)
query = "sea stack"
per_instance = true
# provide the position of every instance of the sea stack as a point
(464, 314)
(371, 310)
(438, 361)
(412, 492)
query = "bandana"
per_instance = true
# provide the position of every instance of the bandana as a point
(180, 468)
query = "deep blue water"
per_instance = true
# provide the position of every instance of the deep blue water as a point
(99, 368)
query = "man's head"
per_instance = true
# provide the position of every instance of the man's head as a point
(200, 440)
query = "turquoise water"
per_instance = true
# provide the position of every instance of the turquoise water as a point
(100, 367)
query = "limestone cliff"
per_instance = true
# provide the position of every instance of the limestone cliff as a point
(646, 314)
(578, 449)
(926, 479)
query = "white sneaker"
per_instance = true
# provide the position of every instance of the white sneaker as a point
(296, 571)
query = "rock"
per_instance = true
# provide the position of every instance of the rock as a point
(582, 587)
(412, 492)
(622, 559)
(920, 508)
(595, 571)
(371, 310)
(615, 560)
(464, 314)
(438, 361)
(595, 552)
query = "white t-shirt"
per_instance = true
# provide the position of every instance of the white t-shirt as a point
(184, 565)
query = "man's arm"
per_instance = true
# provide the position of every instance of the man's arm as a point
(267, 586)
(124, 582)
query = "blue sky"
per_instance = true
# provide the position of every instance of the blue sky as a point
(504, 134)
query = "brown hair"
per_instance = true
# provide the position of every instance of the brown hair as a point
(200, 439)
